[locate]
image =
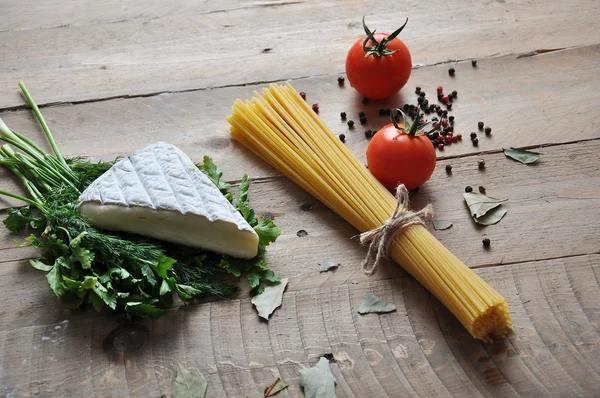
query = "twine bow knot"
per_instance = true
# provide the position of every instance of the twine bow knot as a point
(381, 238)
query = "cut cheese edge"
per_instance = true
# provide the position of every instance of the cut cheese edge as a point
(159, 192)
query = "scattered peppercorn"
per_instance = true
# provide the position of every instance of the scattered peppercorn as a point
(440, 89)
(368, 133)
(473, 135)
(341, 81)
(303, 95)
(451, 119)
(481, 164)
(301, 234)
(459, 137)
(381, 112)
(361, 114)
(475, 141)
(454, 94)
(433, 136)
(468, 189)
(315, 107)
(450, 128)
(388, 111)
(420, 100)
(422, 94)
(455, 139)
(488, 130)
(474, 63)
(451, 71)
(397, 118)
(486, 242)
(445, 99)
(435, 143)
(405, 107)
(306, 207)
(445, 113)
(449, 168)
(480, 125)
(351, 124)
(365, 100)
(481, 189)
(441, 146)
(342, 137)
(417, 90)
(363, 120)
(343, 115)
(425, 103)
(449, 107)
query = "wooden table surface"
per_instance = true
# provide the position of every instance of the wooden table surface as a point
(114, 76)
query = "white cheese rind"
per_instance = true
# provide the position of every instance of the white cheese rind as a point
(159, 192)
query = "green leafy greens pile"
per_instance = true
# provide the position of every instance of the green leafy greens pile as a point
(134, 276)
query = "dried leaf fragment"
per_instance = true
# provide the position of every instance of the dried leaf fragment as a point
(521, 155)
(318, 381)
(188, 384)
(373, 304)
(440, 225)
(270, 299)
(327, 265)
(274, 388)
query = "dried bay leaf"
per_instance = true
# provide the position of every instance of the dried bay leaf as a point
(373, 304)
(274, 388)
(523, 156)
(318, 381)
(188, 384)
(270, 299)
(491, 217)
(440, 225)
(327, 265)
(484, 209)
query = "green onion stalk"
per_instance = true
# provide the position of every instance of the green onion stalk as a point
(39, 172)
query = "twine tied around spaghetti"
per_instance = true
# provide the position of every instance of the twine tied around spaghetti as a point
(381, 238)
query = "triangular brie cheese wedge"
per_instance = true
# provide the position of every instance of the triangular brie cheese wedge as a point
(159, 192)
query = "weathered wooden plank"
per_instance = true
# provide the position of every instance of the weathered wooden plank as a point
(503, 92)
(523, 361)
(135, 49)
(546, 202)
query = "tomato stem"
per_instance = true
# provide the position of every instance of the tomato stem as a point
(378, 49)
(410, 129)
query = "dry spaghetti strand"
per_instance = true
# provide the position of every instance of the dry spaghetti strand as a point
(282, 129)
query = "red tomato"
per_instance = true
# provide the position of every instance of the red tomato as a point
(396, 157)
(385, 70)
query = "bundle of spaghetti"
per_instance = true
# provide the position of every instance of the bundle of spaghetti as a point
(282, 129)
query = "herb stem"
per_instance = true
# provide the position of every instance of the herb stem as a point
(19, 197)
(42, 121)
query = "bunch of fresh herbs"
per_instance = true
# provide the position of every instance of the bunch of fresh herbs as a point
(132, 275)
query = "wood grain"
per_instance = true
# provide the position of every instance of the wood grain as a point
(132, 48)
(421, 336)
(519, 100)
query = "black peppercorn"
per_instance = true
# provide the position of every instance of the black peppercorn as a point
(473, 135)
(480, 125)
(417, 90)
(468, 189)
(448, 168)
(351, 123)
(382, 112)
(481, 189)
(475, 141)
(481, 164)
(454, 94)
(361, 114)
(474, 63)
(434, 135)
(449, 107)
(388, 112)
(342, 137)
(425, 104)
(434, 119)
(440, 96)
(363, 120)
(422, 94)
(420, 100)
(488, 131)
(368, 133)
(486, 242)
(444, 133)
(435, 143)
(397, 118)
(451, 119)
(406, 107)
(365, 100)
(341, 80)
(343, 115)
(451, 71)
